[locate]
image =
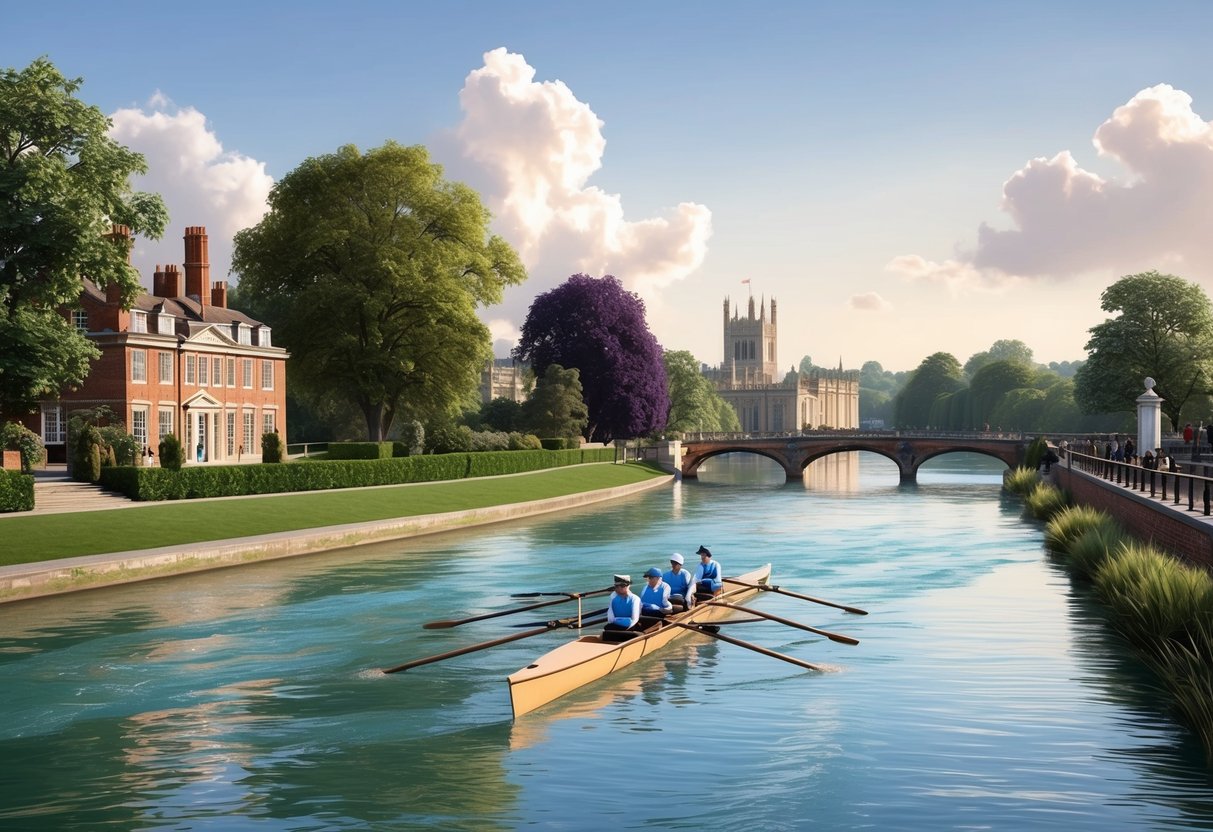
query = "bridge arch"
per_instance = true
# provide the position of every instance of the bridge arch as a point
(691, 466)
(814, 456)
(1002, 456)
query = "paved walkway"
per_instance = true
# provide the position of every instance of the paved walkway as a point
(32, 580)
(55, 492)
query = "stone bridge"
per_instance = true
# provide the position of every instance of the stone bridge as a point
(908, 450)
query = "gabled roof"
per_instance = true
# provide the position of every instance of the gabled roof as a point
(179, 307)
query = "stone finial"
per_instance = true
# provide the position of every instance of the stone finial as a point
(1150, 384)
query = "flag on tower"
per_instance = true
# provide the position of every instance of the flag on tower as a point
(747, 280)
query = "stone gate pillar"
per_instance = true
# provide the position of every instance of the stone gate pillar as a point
(1149, 419)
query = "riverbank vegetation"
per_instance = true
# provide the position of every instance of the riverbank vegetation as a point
(1162, 606)
(29, 539)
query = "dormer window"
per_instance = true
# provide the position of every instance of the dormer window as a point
(246, 334)
(263, 337)
(138, 321)
(165, 324)
(80, 320)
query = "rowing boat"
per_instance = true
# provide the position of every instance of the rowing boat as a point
(589, 658)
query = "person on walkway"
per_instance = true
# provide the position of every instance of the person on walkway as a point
(623, 613)
(1188, 434)
(709, 577)
(655, 599)
(1209, 431)
(680, 582)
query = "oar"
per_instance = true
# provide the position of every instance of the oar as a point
(541, 623)
(442, 625)
(766, 588)
(789, 659)
(542, 594)
(841, 639)
(484, 645)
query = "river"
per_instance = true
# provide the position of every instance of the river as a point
(985, 693)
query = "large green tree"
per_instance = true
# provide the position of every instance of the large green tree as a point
(374, 265)
(938, 374)
(63, 183)
(1002, 350)
(1162, 329)
(694, 403)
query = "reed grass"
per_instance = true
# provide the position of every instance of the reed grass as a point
(1094, 546)
(1185, 667)
(1071, 523)
(1046, 500)
(1021, 481)
(1153, 597)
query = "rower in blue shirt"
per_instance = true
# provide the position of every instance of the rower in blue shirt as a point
(680, 582)
(709, 577)
(655, 599)
(623, 613)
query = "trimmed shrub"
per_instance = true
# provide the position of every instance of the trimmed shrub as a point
(172, 455)
(16, 491)
(412, 439)
(271, 447)
(1071, 523)
(1046, 500)
(122, 447)
(15, 436)
(524, 442)
(87, 439)
(361, 450)
(1020, 481)
(141, 483)
(490, 440)
(449, 439)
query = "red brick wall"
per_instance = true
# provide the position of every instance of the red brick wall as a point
(1169, 527)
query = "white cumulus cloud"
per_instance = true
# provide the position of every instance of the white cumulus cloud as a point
(530, 148)
(201, 183)
(1067, 220)
(869, 302)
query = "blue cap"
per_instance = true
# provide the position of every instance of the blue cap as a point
(653, 572)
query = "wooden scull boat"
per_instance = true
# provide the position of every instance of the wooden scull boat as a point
(589, 658)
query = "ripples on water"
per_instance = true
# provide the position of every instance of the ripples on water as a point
(986, 692)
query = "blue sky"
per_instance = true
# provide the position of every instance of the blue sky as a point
(842, 157)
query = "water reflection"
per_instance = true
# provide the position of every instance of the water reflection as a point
(985, 691)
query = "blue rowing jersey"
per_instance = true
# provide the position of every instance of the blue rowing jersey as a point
(621, 606)
(680, 584)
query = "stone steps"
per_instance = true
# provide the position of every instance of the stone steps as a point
(61, 495)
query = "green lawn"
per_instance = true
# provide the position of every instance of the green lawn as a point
(51, 536)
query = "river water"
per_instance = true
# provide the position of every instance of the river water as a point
(985, 692)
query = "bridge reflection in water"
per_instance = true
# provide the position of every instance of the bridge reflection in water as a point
(837, 472)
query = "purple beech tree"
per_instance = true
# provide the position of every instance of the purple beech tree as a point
(597, 326)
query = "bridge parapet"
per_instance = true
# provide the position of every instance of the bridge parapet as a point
(908, 450)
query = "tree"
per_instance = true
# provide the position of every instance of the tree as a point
(501, 414)
(1163, 330)
(556, 407)
(598, 327)
(63, 185)
(373, 266)
(1002, 350)
(694, 403)
(937, 374)
(991, 383)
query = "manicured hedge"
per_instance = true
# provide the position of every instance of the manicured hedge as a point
(16, 491)
(191, 482)
(362, 450)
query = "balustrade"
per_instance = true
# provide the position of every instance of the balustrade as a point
(1136, 478)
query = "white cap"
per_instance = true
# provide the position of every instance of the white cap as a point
(676, 558)
(623, 579)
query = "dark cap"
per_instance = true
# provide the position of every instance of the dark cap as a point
(704, 550)
(653, 572)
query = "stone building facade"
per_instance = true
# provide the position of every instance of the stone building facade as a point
(178, 361)
(503, 378)
(765, 402)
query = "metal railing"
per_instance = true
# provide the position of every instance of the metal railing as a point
(1168, 485)
(856, 433)
(298, 449)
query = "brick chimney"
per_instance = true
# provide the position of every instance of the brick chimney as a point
(121, 235)
(197, 264)
(172, 282)
(113, 292)
(219, 294)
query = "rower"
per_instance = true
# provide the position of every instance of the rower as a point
(623, 613)
(709, 577)
(655, 599)
(679, 580)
